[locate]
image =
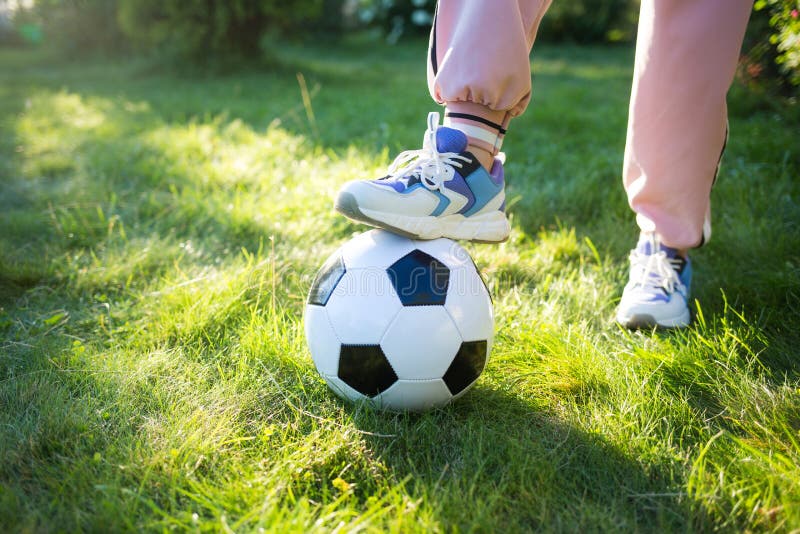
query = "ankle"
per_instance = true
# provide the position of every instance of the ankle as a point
(484, 157)
(484, 127)
(682, 252)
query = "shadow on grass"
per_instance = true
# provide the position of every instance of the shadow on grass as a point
(506, 458)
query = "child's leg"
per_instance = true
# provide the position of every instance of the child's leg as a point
(479, 66)
(686, 56)
(453, 186)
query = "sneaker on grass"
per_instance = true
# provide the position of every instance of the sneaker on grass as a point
(657, 292)
(440, 190)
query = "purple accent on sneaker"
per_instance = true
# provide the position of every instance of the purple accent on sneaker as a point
(655, 297)
(397, 184)
(458, 185)
(497, 173)
(450, 140)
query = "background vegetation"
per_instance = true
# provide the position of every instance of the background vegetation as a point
(207, 31)
(785, 22)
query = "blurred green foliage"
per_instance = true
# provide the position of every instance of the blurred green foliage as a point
(763, 68)
(784, 19)
(578, 21)
(590, 21)
(397, 18)
(76, 26)
(186, 29)
(198, 28)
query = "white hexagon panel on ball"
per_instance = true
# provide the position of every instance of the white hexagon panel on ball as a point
(425, 351)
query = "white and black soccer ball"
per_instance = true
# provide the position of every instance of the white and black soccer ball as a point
(403, 324)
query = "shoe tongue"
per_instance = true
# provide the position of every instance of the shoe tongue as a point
(650, 245)
(450, 140)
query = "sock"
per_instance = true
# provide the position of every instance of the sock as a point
(484, 128)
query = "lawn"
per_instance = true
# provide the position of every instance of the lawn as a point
(159, 232)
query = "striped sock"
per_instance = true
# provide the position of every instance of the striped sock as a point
(483, 127)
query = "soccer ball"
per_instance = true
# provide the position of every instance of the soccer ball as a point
(398, 323)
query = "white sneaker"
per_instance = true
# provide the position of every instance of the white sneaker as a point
(657, 292)
(439, 191)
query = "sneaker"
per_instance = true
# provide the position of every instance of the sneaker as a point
(658, 290)
(439, 191)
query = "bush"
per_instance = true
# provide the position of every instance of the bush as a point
(761, 67)
(197, 29)
(590, 21)
(408, 17)
(79, 26)
(189, 29)
(785, 22)
(580, 21)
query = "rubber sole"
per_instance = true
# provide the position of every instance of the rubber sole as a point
(645, 321)
(488, 228)
(347, 205)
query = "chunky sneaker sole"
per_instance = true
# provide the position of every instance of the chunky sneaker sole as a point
(438, 191)
(490, 227)
(644, 320)
(656, 295)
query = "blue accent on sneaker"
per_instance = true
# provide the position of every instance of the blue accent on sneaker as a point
(443, 203)
(685, 276)
(398, 184)
(484, 187)
(443, 200)
(682, 266)
(450, 140)
(401, 184)
(657, 292)
(439, 190)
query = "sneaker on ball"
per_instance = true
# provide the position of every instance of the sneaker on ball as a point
(657, 292)
(440, 190)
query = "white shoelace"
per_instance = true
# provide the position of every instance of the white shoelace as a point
(655, 270)
(433, 168)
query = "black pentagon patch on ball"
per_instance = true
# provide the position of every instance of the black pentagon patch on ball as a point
(420, 279)
(466, 367)
(325, 282)
(366, 369)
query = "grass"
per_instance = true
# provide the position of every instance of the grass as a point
(160, 232)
